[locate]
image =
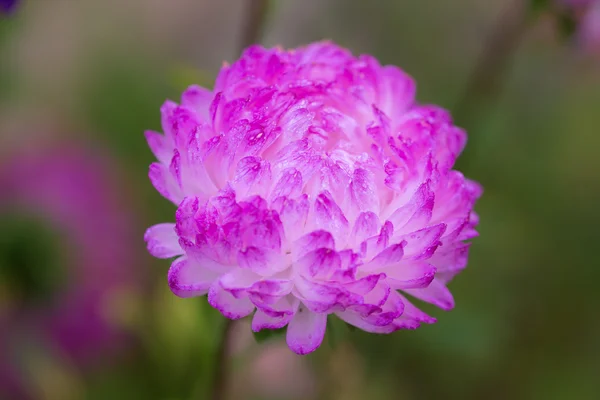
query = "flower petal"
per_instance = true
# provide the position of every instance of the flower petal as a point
(261, 261)
(312, 241)
(320, 298)
(262, 320)
(289, 185)
(238, 281)
(436, 293)
(270, 295)
(198, 99)
(366, 225)
(305, 331)
(391, 255)
(330, 217)
(162, 241)
(417, 212)
(228, 305)
(321, 263)
(292, 213)
(189, 279)
(410, 275)
(252, 177)
(160, 146)
(421, 244)
(164, 182)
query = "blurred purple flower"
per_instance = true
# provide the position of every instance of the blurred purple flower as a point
(586, 16)
(590, 28)
(8, 6)
(59, 294)
(310, 183)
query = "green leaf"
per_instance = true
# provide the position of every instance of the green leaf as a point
(268, 334)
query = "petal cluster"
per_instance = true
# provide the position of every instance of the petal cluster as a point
(309, 182)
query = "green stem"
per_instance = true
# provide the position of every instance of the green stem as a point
(219, 389)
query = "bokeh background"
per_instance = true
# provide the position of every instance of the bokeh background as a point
(80, 81)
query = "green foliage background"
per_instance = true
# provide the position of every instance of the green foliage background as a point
(526, 323)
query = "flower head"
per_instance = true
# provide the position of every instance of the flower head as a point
(310, 183)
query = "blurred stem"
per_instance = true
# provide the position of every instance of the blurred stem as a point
(486, 79)
(254, 24)
(219, 389)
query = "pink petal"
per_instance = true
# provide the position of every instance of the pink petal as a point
(413, 313)
(390, 310)
(271, 292)
(363, 192)
(160, 147)
(436, 293)
(261, 261)
(284, 305)
(379, 295)
(253, 176)
(396, 91)
(410, 275)
(366, 225)
(162, 241)
(312, 241)
(305, 331)
(451, 258)
(330, 217)
(292, 213)
(189, 279)
(227, 304)
(381, 321)
(376, 244)
(198, 256)
(355, 319)
(289, 185)
(164, 182)
(365, 285)
(198, 99)
(262, 320)
(238, 281)
(422, 244)
(319, 263)
(391, 255)
(417, 212)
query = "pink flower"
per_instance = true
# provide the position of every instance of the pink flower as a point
(310, 183)
(586, 14)
(58, 297)
(590, 29)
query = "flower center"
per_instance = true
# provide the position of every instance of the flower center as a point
(32, 267)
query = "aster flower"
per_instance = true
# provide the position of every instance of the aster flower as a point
(64, 254)
(309, 182)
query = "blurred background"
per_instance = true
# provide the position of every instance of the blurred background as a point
(86, 313)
